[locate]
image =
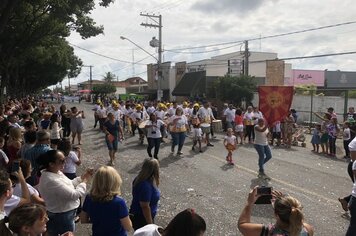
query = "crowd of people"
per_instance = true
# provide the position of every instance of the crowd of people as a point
(40, 150)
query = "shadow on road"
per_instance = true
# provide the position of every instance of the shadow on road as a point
(165, 162)
(226, 167)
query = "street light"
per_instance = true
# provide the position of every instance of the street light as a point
(124, 38)
(159, 93)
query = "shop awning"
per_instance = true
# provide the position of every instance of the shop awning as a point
(189, 83)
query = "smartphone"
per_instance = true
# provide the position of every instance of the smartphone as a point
(15, 166)
(263, 190)
(264, 199)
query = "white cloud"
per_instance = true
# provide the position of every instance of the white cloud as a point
(203, 22)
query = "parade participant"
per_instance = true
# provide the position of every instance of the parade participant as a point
(102, 115)
(172, 109)
(95, 109)
(187, 223)
(54, 130)
(346, 137)
(230, 145)
(351, 199)
(205, 115)
(262, 147)
(186, 109)
(324, 132)
(150, 108)
(249, 124)
(104, 207)
(60, 193)
(113, 132)
(288, 130)
(276, 132)
(76, 124)
(288, 214)
(154, 136)
(239, 125)
(229, 114)
(138, 117)
(145, 194)
(197, 133)
(26, 220)
(178, 126)
(333, 130)
(316, 140)
(159, 112)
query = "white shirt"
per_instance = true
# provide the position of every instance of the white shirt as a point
(261, 137)
(230, 139)
(230, 114)
(60, 193)
(346, 134)
(277, 127)
(4, 156)
(160, 114)
(354, 186)
(257, 115)
(197, 133)
(150, 109)
(11, 204)
(101, 112)
(69, 165)
(172, 111)
(179, 124)
(54, 132)
(18, 191)
(205, 114)
(352, 145)
(117, 114)
(154, 132)
(148, 230)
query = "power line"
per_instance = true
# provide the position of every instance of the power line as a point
(101, 55)
(270, 36)
(199, 52)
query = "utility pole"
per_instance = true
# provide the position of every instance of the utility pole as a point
(158, 24)
(133, 62)
(246, 56)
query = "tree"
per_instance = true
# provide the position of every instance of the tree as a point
(235, 89)
(40, 27)
(104, 89)
(109, 77)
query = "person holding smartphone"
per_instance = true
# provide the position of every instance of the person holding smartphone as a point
(288, 214)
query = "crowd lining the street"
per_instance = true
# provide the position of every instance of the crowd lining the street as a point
(40, 192)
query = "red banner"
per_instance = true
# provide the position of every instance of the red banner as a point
(275, 102)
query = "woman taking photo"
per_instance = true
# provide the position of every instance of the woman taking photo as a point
(288, 214)
(76, 124)
(154, 135)
(26, 220)
(262, 147)
(103, 206)
(55, 131)
(112, 130)
(60, 193)
(145, 194)
(178, 124)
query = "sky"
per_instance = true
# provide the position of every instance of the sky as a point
(200, 23)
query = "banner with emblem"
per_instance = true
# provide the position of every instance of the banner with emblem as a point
(275, 102)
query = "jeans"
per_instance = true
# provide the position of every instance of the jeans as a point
(264, 155)
(250, 132)
(332, 144)
(153, 142)
(178, 139)
(346, 147)
(60, 223)
(351, 231)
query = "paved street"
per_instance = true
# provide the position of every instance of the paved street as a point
(217, 191)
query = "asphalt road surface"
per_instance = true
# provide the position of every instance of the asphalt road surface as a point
(217, 191)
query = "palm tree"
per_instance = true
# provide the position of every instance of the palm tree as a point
(109, 77)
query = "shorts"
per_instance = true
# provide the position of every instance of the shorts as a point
(239, 128)
(112, 146)
(324, 138)
(197, 138)
(76, 129)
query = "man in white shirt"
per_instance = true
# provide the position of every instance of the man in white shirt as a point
(230, 116)
(205, 115)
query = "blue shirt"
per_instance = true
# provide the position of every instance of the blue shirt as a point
(113, 129)
(144, 192)
(105, 216)
(32, 154)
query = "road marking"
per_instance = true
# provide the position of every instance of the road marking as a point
(279, 181)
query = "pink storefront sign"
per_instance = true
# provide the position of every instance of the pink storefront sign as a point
(307, 77)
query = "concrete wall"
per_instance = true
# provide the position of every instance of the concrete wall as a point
(302, 103)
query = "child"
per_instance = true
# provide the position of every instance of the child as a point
(276, 133)
(347, 139)
(316, 140)
(197, 134)
(230, 145)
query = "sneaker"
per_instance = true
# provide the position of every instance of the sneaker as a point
(172, 150)
(344, 204)
(210, 145)
(266, 177)
(260, 175)
(231, 163)
(179, 153)
(200, 151)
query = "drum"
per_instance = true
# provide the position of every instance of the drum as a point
(205, 127)
(142, 125)
(217, 126)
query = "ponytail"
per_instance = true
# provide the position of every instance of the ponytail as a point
(295, 221)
